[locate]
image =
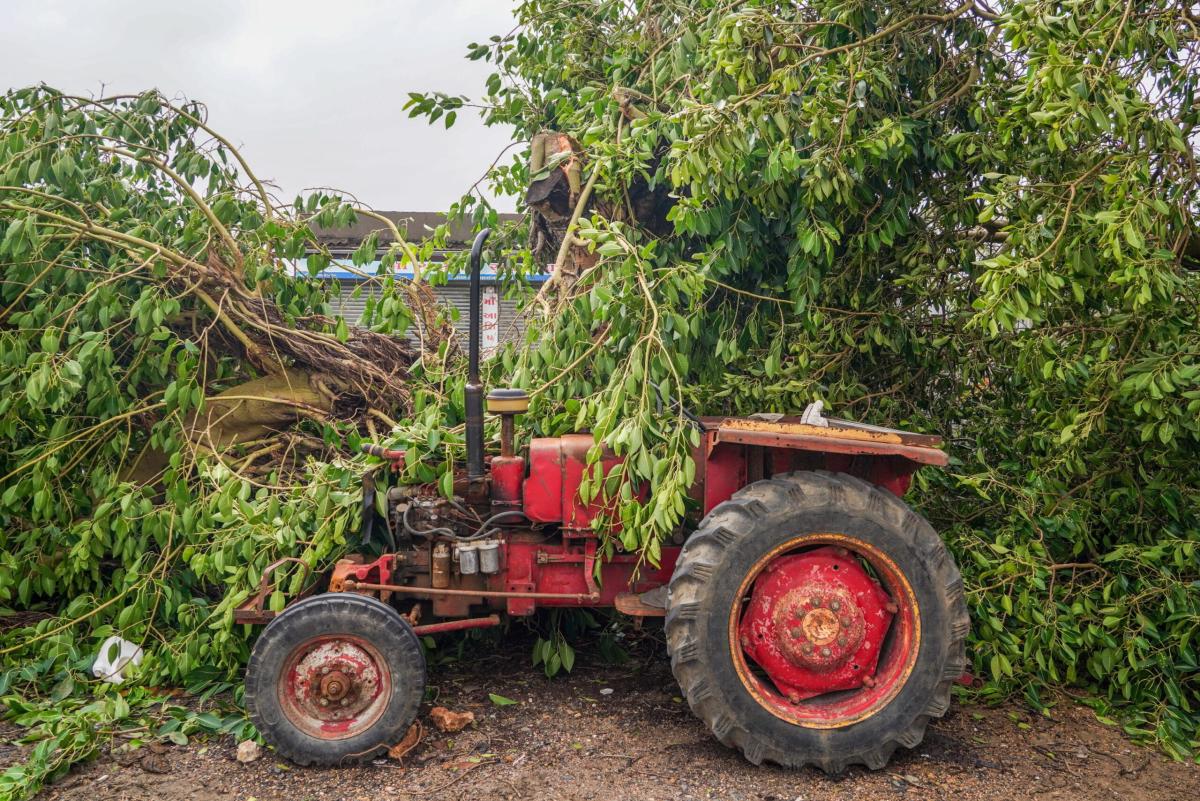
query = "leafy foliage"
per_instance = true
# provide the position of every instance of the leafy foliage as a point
(956, 218)
(174, 404)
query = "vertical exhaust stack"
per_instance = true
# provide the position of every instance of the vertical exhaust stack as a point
(473, 394)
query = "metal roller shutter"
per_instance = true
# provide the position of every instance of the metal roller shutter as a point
(457, 294)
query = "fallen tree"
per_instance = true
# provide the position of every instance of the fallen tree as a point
(958, 219)
(975, 219)
(176, 405)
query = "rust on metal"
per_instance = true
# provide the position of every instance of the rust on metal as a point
(254, 609)
(458, 625)
(639, 605)
(838, 437)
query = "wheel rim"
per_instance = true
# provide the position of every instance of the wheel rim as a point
(334, 687)
(816, 639)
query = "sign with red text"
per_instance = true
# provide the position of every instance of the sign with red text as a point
(489, 336)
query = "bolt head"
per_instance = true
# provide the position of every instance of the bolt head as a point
(892, 608)
(841, 641)
(345, 701)
(825, 651)
(794, 697)
(814, 601)
(745, 642)
(797, 633)
(846, 621)
(807, 648)
(868, 681)
(324, 702)
(835, 604)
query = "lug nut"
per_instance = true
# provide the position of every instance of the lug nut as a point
(324, 702)
(868, 681)
(807, 648)
(794, 697)
(745, 641)
(797, 633)
(892, 608)
(846, 621)
(345, 701)
(841, 641)
(835, 605)
(825, 651)
(814, 601)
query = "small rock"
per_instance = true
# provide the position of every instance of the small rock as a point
(606, 691)
(248, 751)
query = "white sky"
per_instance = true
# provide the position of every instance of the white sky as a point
(311, 90)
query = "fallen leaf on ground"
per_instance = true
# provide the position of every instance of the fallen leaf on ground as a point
(410, 741)
(448, 721)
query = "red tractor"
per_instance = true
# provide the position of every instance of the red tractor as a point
(812, 617)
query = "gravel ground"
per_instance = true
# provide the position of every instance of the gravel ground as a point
(623, 732)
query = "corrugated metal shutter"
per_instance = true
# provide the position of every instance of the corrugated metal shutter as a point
(456, 293)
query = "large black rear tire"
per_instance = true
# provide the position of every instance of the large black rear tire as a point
(720, 560)
(335, 678)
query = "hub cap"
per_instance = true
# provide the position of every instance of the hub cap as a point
(334, 687)
(829, 643)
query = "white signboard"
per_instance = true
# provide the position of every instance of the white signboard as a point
(489, 336)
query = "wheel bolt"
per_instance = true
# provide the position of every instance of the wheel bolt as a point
(825, 651)
(892, 608)
(846, 621)
(324, 702)
(325, 670)
(835, 605)
(745, 642)
(797, 633)
(840, 551)
(807, 648)
(814, 601)
(345, 701)
(868, 681)
(841, 641)
(794, 697)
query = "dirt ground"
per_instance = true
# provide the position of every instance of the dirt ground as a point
(623, 733)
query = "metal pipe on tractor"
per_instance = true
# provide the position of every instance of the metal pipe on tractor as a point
(811, 616)
(473, 394)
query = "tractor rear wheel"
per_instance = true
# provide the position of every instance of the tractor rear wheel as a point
(335, 678)
(815, 619)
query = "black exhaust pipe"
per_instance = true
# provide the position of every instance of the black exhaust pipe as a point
(473, 394)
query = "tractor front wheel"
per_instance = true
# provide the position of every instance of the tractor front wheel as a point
(335, 678)
(814, 619)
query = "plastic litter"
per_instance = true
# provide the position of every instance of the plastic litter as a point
(115, 655)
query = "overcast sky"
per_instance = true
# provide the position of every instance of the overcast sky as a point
(311, 90)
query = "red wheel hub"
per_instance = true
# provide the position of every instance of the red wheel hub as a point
(335, 687)
(816, 623)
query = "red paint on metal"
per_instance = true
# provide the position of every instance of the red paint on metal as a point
(376, 572)
(725, 469)
(577, 515)
(458, 625)
(543, 490)
(564, 568)
(725, 472)
(816, 623)
(335, 687)
(507, 474)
